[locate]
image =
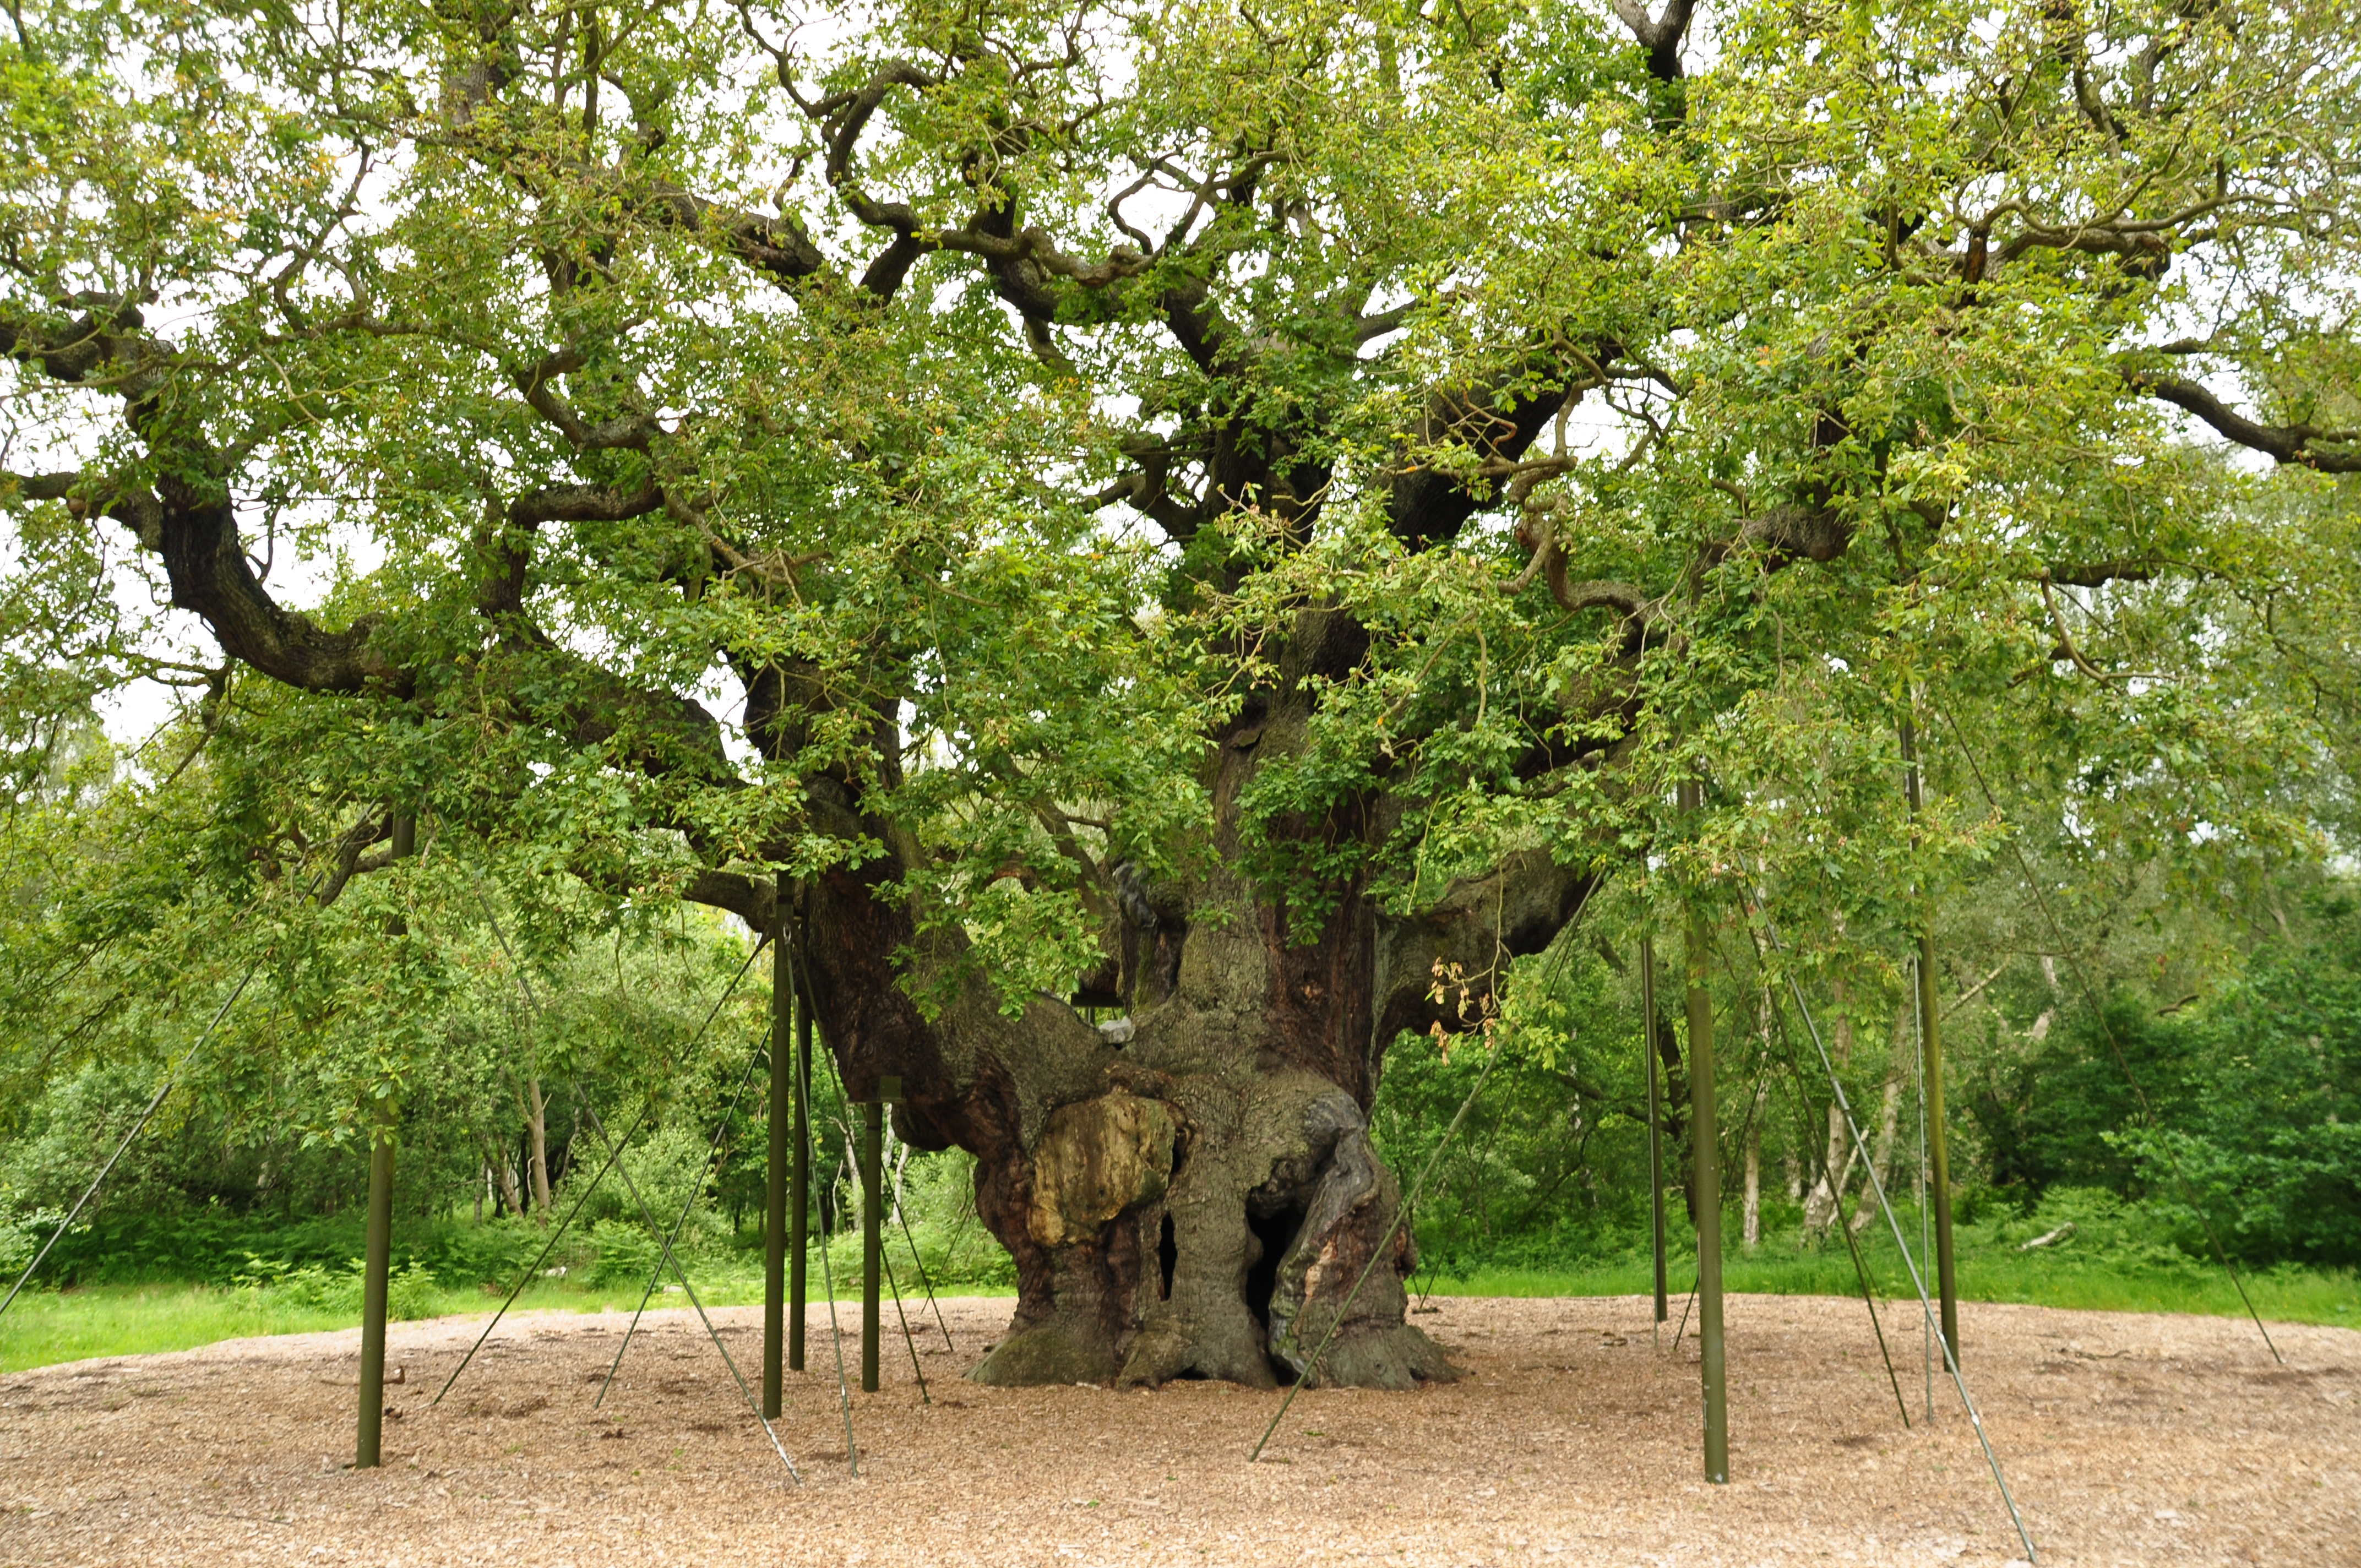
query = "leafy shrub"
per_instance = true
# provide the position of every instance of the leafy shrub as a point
(209, 1243)
(493, 1253)
(66, 1133)
(627, 1254)
(21, 1236)
(411, 1291)
(2108, 1232)
(2291, 1193)
(2269, 1143)
(2046, 1113)
(666, 1167)
(966, 1255)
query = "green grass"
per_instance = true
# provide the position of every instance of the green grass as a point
(46, 1327)
(150, 1304)
(2109, 1264)
(1986, 1274)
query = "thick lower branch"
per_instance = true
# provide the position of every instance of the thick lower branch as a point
(2298, 443)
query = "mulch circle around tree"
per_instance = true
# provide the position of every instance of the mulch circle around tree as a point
(1572, 1438)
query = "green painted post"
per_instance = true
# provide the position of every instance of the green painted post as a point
(1930, 1050)
(1704, 1138)
(377, 1260)
(799, 1197)
(775, 1170)
(1655, 1118)
(873, 1205)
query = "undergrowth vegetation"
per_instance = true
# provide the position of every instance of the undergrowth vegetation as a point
(2072, 1187)
(2135, 1135)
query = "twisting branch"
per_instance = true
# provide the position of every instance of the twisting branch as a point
(40, 487)
(1540, 533)
(778, 247)
(2066, 646)
(1660, 38)
(2296, 444)
(1147, 489)
(1602, 593)
(2098, 574)
(346, 861)
(627, 431)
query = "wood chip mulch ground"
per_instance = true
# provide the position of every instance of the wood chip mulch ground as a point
(1574, 1439)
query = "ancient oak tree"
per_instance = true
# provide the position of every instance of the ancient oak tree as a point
(1227, 517)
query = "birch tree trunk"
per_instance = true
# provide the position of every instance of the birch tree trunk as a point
(1753, 1233)
(536, 1121)
(1820, 1204)
(1889, 1117)
(502, 1176)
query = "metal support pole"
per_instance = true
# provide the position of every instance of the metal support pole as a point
(532, 1270)
(1703, 1143)
(1917, 1281)
(639, 1200)
(774, 1172)
(799, 1191)
(1939, 1150)
(1655, 1117)
(873, 1202)
(1930, 1050)
(377, 1249)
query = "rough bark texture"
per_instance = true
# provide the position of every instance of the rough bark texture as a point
(1200, 1196)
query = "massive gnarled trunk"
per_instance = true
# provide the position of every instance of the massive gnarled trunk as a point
(1191, 1192)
